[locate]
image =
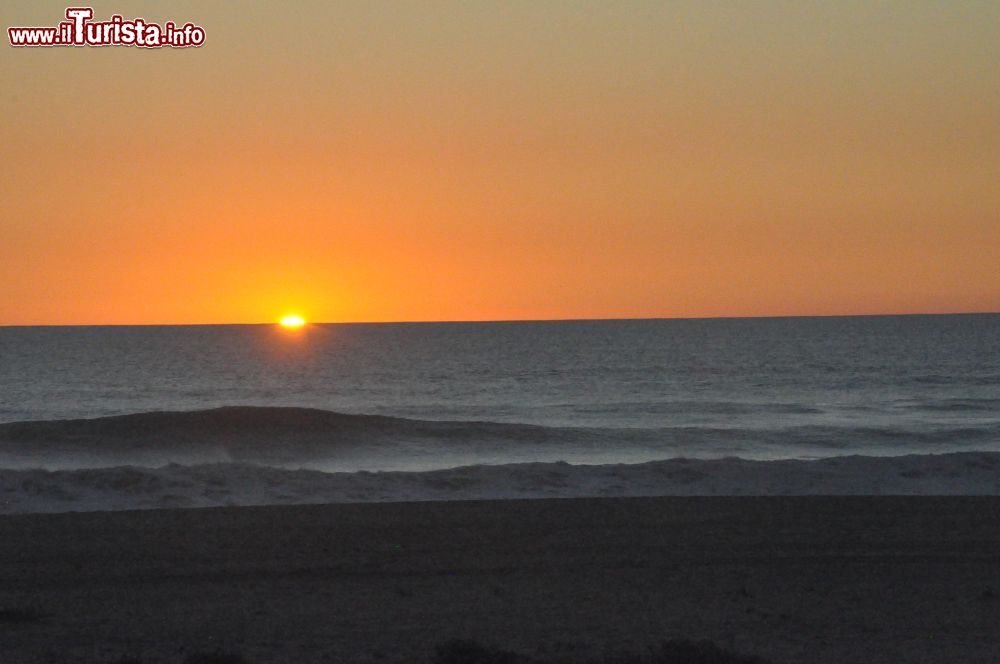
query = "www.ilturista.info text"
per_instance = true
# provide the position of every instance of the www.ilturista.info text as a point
(79, 30)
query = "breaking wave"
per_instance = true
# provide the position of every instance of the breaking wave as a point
(231, 484)
(271, 455)
(303, 437)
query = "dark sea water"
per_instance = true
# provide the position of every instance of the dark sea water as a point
(494, 394)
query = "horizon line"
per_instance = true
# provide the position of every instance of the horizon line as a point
(516, 320)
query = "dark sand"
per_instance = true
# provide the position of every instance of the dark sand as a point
(912, 579)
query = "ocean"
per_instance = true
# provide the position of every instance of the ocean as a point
(139, 417)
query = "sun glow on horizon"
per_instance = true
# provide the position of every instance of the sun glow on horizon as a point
(292, 322)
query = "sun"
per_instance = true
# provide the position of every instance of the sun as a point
(292, 322)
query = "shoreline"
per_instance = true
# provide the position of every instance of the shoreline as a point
(792, 579)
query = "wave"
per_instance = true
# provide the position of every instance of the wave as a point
(287, 436)
(265, 435)
(235, 484)
(983, 405)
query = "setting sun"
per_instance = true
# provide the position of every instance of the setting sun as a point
(292, 322)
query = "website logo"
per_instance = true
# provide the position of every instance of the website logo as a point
(81, 30)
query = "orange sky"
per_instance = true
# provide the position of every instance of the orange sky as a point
(453, 161)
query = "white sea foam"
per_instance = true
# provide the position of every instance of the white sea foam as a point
(219, 484)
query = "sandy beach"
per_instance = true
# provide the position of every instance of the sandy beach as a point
(792, 579)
